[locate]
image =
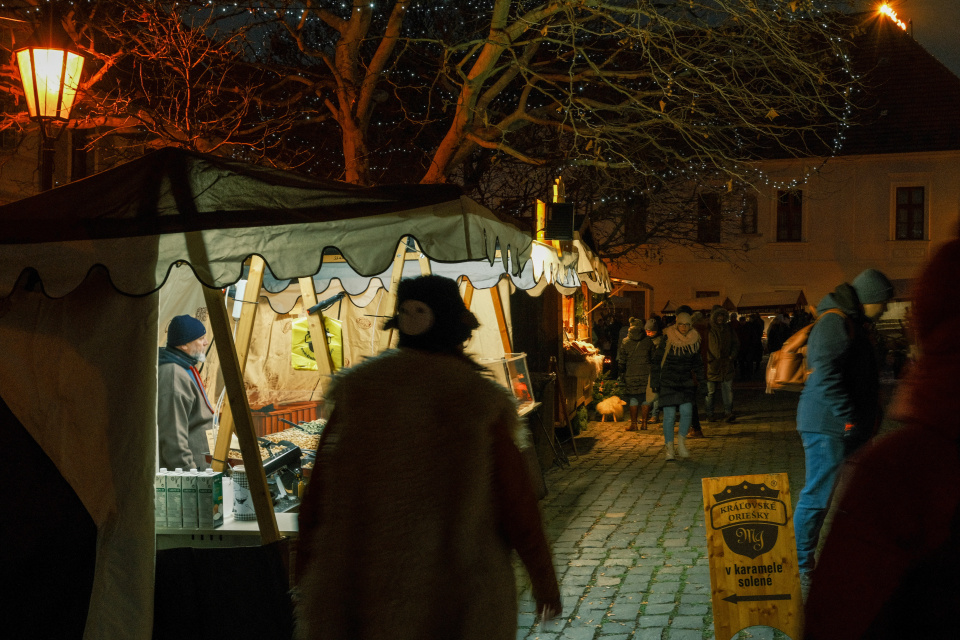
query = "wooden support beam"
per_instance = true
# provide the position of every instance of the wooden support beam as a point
(425, 268)
(237, 396)
(248, 317)
(318, 331)
(501, 319)
(390, 300)
(468, 293)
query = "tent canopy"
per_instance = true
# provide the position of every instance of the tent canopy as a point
(772, 301)
(138, 218)
(699, 304)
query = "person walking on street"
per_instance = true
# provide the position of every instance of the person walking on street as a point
(722, 347)
(634, 364)
(420, 493)
(890, 566)
(677, 367)
(839, 405)
(701, 325)
(654, 329)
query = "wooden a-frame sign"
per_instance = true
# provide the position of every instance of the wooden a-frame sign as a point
(753, 557)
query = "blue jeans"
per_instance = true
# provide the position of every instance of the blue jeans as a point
(823, 455)
(670, 414)
(726, 390)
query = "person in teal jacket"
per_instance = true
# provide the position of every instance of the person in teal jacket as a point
(839, 405)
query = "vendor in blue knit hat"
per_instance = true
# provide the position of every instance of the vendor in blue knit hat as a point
(184, 413)
(839, 407)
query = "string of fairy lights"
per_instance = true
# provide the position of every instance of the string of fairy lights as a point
(788, 10)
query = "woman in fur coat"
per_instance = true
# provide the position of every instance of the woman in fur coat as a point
(419, 493)
(676, 369)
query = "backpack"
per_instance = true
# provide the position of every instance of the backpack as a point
(787, 368)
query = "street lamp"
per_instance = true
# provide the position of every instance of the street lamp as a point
(50, 65)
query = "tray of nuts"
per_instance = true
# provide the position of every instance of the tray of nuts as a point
(306, 441)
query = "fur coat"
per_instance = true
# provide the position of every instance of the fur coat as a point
(677, 367)
(418, 496)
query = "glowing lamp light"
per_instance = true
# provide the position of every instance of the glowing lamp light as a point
(50, 67)
(888, 11)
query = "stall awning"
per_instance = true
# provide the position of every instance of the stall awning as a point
(699, 304)
(568, 271)
(138, 219)
(771, 301)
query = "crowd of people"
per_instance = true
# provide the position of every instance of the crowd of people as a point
(668, 364)
(432, 520)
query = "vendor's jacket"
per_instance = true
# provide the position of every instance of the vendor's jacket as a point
(419, 495)
(184, 413)
(843, 385)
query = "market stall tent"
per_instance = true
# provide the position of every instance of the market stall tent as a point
(80, 268)
(358, 306)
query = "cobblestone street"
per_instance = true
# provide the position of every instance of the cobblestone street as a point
(627, 526)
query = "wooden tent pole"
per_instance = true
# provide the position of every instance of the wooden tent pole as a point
(501, 318)
(467, 293)
(390, 301)
(318, 331)
(248, 316)
(425, 268)
(237, 396)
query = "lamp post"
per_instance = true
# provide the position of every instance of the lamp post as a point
(50, 66)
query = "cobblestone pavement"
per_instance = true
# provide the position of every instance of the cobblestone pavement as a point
(627, 526)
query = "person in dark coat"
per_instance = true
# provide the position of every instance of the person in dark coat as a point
(890, 566)
(839, 405)
(751, 346)
(721, 349)
(650, 409)
(634, 363)
(677, 367)
(777, 333)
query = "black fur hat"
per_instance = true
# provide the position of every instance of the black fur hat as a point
(452, 321)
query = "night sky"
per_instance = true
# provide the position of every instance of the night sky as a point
(936, 26)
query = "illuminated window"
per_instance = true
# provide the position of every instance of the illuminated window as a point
(790, 216)
(910, 213)
(708, 217)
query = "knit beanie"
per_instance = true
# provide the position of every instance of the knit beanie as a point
(684, 318)
(872, 287)
(652, 325)
(184, 329)
(453, 323)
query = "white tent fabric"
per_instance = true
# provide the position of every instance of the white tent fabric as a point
(80, 374)
(94, 243)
